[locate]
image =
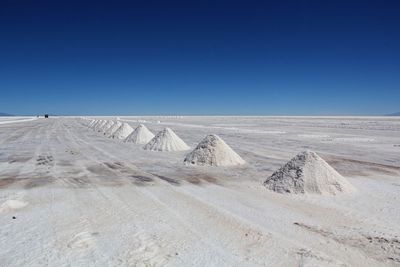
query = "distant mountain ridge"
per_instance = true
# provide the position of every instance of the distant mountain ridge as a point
(394, 114)
(5, 114)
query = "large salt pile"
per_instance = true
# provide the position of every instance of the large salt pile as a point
(141, 135)
(308, 173)
(122, 132)
(213, 151)
(113, 128)
(166, 140)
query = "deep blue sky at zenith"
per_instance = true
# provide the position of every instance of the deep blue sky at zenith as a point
(200, 57)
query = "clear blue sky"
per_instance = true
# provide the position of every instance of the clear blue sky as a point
(200, 57)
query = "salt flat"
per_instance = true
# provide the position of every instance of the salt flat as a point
(79, 198)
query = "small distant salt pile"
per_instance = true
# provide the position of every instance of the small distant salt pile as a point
(95, 123)
(141, 135)
(213, 151)
(308, 173)
(113, 128)
(99, 125)
(122, 132)
(12, 205)
(91, 123)
(106, 126)
(166, 140)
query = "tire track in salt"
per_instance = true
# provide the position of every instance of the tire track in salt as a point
(116, 211)
(246, 227)
(146, 195)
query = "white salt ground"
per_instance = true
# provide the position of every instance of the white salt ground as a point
(114, 204)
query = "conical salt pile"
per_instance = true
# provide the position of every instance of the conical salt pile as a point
(141, 135)
(106, 126)
(213, 151)
(308, 173)
(122, 132)
(95, 123)
(166, 140)
(99, 125)
(113, 128)
(90, 123)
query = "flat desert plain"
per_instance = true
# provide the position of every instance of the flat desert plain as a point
(71, 196)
